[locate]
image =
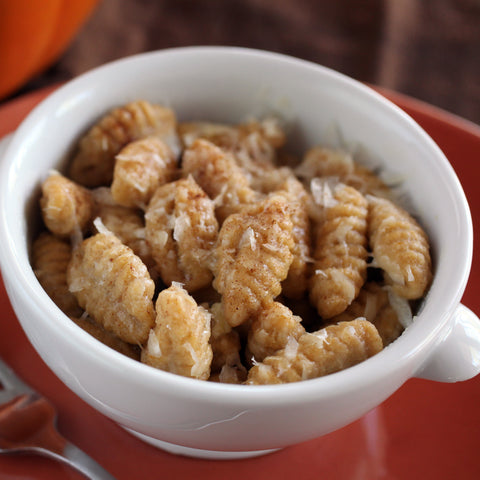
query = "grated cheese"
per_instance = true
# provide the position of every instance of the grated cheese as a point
(248, 239)
(153, 346)
(101, 228)
(322, 192)
(401, 307)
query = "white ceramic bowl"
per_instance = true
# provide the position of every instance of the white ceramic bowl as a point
(229, 84)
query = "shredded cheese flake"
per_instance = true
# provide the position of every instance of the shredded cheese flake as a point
(401, 307)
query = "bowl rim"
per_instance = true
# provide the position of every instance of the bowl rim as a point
(333, 384)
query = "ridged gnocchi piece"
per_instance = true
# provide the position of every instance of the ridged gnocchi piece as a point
(228, 136)
(113, 286)
(400, 248)
(254, 143)
(314, 355)
(219, 176)
(296, 283)
(93, 164)
(179, 341)
(140, 167)
(220, 134)
(283, 181)
(340, 252)
(127, 224)
(271, 330)
(50, 259)
(367, 182)
(273, 179)
(253, 256)
(67, 207)
(107, 338)
(255, 149)
(321, 162)
(374, 305)
(226, 363)
(181, 230)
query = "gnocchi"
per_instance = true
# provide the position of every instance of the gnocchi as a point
(194, 248)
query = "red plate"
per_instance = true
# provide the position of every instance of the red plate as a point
(425, 430)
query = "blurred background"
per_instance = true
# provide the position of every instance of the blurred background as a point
(427, 49)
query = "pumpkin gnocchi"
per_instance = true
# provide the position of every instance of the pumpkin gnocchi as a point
(193, 248)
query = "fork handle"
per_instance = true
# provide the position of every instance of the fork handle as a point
(80, 461)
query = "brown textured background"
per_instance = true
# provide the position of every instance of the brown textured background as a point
(428, 49)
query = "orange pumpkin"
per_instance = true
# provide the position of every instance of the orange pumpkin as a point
(33, 34)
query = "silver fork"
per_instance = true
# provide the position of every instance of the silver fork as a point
(28, 425)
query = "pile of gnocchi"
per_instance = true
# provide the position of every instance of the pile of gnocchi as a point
(206, 250)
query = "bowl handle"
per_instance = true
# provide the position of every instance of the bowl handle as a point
(457, 356)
